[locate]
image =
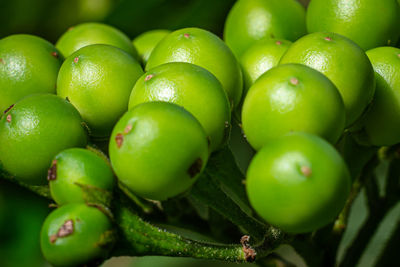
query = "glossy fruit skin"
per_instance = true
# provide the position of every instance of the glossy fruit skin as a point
(98, 79)
(292, 97)
(343, 62)
(34, 131)
(298, 183)
(381, 124)
(260, 57)
(82, 245)
(94, 33)
(203, 48)
(28, 65)
(78, 165)
(369, 23)
(145, 42)
(158, 150)
(191, 87)
(252, 20)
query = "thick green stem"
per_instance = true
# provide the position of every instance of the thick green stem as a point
(138, 237)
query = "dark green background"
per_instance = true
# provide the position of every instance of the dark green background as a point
(21, 212)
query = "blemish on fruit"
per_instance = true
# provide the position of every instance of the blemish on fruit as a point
(8, 118)
(294, 81)
(76, 59)
(278, 42)
(8, 109)
(249, 252)
(186, 35)
(70, 28)
(148, 77)
(127, 129)
(66, 229)
(119, 139)
(54, 54)
(52, 172)
(328, 38)
(306, 171)
(195, 168)
(2, 61)
(53, 238)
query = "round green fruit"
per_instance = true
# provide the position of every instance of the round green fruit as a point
(260, 57)
(343, 62)
(288, 98)
(33, 131)
(98, 80)
(94, 33)
(369, 23)
(74, 167)
(191, 87)
(203, 48)
(252, 20)
(28, 65)
(381, 124)
(145, 42)
(74, 234)
(158, 150)
(298, 183)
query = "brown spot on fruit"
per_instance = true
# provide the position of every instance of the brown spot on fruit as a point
(2, 61)
(148, 77)
(70, 28)
(327, 38)
(186, 35)
(249, 252)
(53, 238)
(66, 229)
(52, 172)
(278, 42)
(76, 59)
(306, 171)
(8, 118)
(195, 168)
(294, 81)
(127, 129)
(8, 109)
(119, 139)
(54, 54)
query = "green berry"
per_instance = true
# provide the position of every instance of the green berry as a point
(251, 20)
(260, 57)
(381, 124)
(369, 23)
(33, 131)
(74, 167)
(343, 62)
(288, 98)
(75, 234)
(28, 65)
(191, 87)
(298, 183)
(203, 48)
(158, 150)
(98, 80)
(94, 33)
(146, 42)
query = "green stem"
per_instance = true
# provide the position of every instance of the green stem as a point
(138, 237)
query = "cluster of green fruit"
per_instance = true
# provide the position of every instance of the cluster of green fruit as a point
(295, 101)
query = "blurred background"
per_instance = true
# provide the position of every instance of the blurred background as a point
(22, 213)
